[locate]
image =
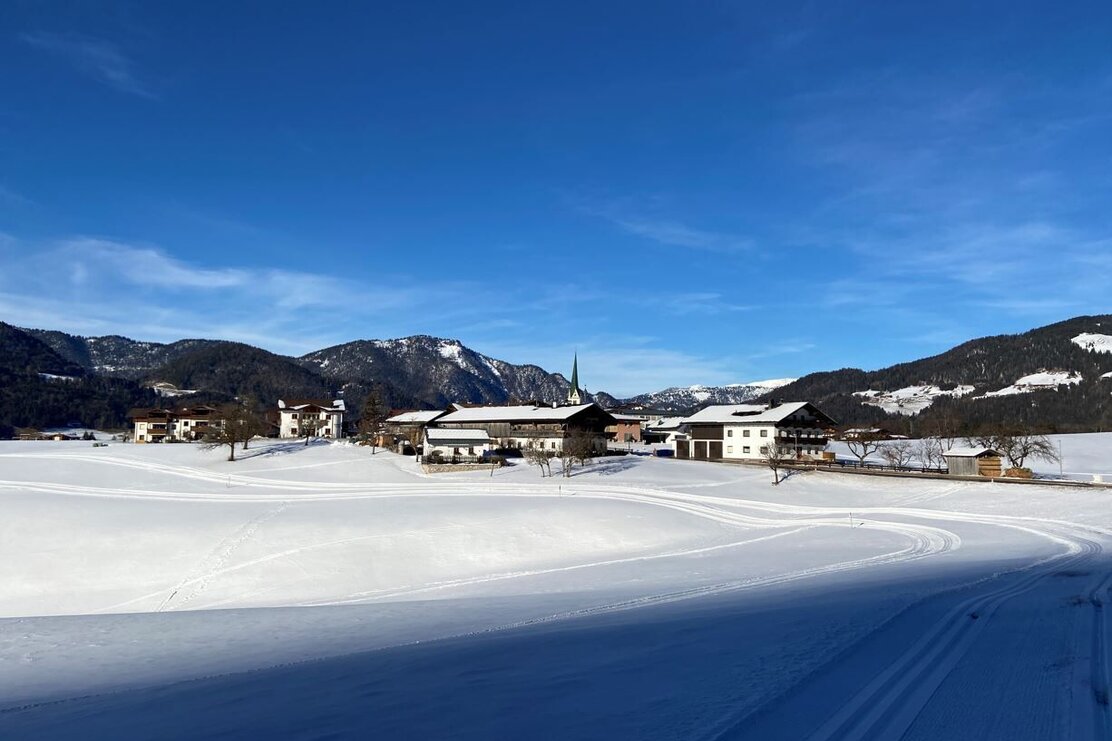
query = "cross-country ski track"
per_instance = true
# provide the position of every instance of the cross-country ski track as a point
(903, 609)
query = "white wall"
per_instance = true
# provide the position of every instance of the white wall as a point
(448, 451)
(734, 441)
(290, 427)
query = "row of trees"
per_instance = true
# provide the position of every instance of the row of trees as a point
(1016, 444)
(578, 450)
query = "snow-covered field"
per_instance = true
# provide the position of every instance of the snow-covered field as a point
(322, 592)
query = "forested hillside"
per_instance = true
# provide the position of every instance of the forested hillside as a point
(989, 365)
(40, 388)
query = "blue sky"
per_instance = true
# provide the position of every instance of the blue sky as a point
(685, 193)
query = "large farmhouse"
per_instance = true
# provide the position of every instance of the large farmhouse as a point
(528, 426)
(744, 431)
(319, 417)
(164, 425)
(411, 425)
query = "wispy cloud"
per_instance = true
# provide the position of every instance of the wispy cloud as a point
(639, 220)
(97, 286)
(11, 198)
(707, 302)
(678, 234)
(99, 59)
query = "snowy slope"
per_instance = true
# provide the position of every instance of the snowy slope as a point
(909, 400)
(1094, 342)
(688, 398)
(1041, 381)
(640, 598)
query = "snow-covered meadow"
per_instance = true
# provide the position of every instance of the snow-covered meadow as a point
(322, 592)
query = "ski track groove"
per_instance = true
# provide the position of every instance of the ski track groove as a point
(213, 563)
(883, 708)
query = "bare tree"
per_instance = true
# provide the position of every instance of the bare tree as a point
(536, 455)
(253, 419)
(372, 417)
(310, 426)
(929, 452)
(775, 456)
(863, 442)
(944, 426)
(1017, 445)
(234, 426)
(579, 447)
(897, 453)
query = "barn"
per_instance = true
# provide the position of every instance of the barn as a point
(973, 462)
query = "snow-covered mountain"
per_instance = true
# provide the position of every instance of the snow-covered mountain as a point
(688, 398)
(437, 371)
(418, 370)
(113, 355)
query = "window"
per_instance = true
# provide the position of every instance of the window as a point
(729, 448)
(729, 433)
(764, 433)
(764, 450)
(745, 449)
(745, 433)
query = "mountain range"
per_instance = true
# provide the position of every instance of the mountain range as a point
(1058, 377)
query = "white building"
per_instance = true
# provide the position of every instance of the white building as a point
(744, 431)
(326, 418)
(183, 424)
(666, 430)
(455, 443)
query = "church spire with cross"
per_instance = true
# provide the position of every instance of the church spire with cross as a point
(574, 397)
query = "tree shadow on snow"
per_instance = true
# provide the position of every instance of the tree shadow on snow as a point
(283, 448)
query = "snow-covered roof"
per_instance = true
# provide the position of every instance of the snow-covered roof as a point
(665, 424)
(337, 405)
(527, 413)
(442, 435)
(723, 413)
(969, 452)
(627, 417)
(745, 413)
(415, 417)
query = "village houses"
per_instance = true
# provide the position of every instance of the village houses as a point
(184, 424)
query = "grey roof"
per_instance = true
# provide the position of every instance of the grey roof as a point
(443, 436)
(415, 417)
(525, 413)
(970, 452)
(745, 413)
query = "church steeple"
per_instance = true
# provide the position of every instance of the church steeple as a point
(574, 396)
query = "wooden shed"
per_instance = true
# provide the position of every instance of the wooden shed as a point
(974, 462)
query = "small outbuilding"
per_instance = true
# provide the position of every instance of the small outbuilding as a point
(455, 445)
(974, 462)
